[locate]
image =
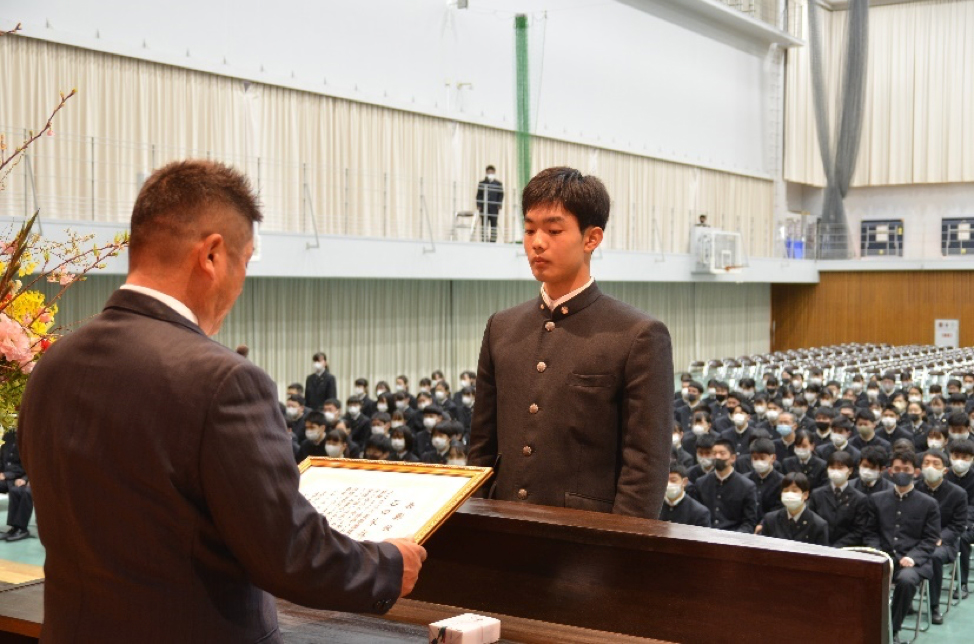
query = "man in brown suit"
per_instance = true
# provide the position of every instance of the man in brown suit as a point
(163, 475)
(574, 388)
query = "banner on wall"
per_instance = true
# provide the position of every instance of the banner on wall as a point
(946, 333)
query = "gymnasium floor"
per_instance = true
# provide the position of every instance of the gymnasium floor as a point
(23, 561)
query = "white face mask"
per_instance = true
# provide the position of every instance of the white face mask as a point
(354, 411)
(772, 415)
(792, 500)
(440, 443)
(456, 462)
(839, 440)
(872, 394)
(360, 391)
(467, 401)
(422, 404)
(329, 417)
(400, 404)
(760, 410)
(803, 453)
(787, 402)
(491, 176)
(673, 491)
(430, 422)
(815, 381)
(400, 387)
(378, 430)
(440, 395)
(382, 407)
(838, 477)
(333, 451)
(761, 467)
(740, 420)
(699, 429)
(969, 386)
(868, 474)
(399, 444)
(711, 392)
(856, 387)
(318, 367)
(396, 423)
(313, 435)
(889, 422)
(954, 436)
(293, 413)
(900, 406)
(677, 440)
(705, 462)
(916, 399)
(809, 397)
(935, 443)
(960, 467)
(932, 475)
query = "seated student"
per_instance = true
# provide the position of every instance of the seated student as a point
(739, 435)
(905, 524)
(935, 412)
(679, 507)
(872, 395)
(705, 459)
(747, 388)
(353, 449)
(956, 402)
(935, 439)
(952, 500)
(722, 415)
(457, 454)
(423, 401)
(441, 394)
(404, 406)
(804, 419)
(694, 402)
(397, 420)
(773, 389)
(823, 426)
(431, 416)
(359, 425)
(677, 453)
(805, 461)
(784, 443)
(295, 415)
(846, 409)
(314, 434)
(743, 463)
(402, 387)
(961, 458)
(332, 409)
(887, 386)
(378, 448)
(718, 400)
(425, 387)
(381, 424)
(841, 434)
(382, 389)
(464, 407)
(889, 425)
(866, 428)
(730, 497)
(917, 425)
(401, 440)
(20, 508)
(295, 389)
(872, 466)
(440, 439)
(760, 419)
(843, 507)
(701, 426)
(766, 479)
(335, 445)
(958, 427)
(385, 403)
(360, 392)
(793, 520)
(786, 396)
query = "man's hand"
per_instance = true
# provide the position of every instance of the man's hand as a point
(413, 556)
(20, 483)
(2, 477)
(906, 562)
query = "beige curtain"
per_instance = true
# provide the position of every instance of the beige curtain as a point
(319, 162)
(378, 329)
(919, 107)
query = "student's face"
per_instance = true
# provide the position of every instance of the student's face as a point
(961, 457)
(721, 451)
(295, 406)
(932, 461)
(340, 445)
(704, 453)
(763, 458)
(795, 488)
(330, 408)
(901, 466)
(557, 249)
(379, 428)
(376, 455)
(677, 479)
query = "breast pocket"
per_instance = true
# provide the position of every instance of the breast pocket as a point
(600, 380)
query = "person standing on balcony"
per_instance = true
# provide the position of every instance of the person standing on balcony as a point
(490, 195)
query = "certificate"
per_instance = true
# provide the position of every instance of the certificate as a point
(378, 500)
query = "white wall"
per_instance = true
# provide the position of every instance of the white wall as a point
(632, 76)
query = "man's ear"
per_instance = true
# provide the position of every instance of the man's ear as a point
(210, 251)
(593, 238)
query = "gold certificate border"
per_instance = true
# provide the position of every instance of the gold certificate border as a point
(476, 475)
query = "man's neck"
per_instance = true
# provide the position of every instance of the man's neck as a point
(935, 486)
(558, 290)
(797, 512)
(726, 473)
(788, 439)
(903, 491)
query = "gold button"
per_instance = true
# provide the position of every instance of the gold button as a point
(549, 326)
(527, 451)
(564, 310)
(522, 494)
(542, 307)
(541, 367)
(533, 408)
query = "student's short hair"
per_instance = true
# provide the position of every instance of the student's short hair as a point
(382, 417)
(424, 394)
(889, 375)
(903, 444)
(745, 407)
(760, 397)
(954, 382)
(702, 415)
(319, 356)
(842, 423)
(315, 418)
(957, 398)
(696, 385)
(707, 441)
(904, 456)
(353, 400)
(404, 378)
(746, 383)
(964, 446)
(759, 433)
(676, 468)
(585, 197)
(334, 402)
(841, 458)
(828, 412)
(935, 389)
(490, 168)
(339, 435)
(801, 436)
(772, 380)
(865, 414)
(844, 404)
(875, 454)
(380, 441)
(722, 384)
(762, 446)
(726, 443)
(937, 429)
(958, 419)
(298, 398)
(361, 382)
(938, 454)
(795, 478)
(677, 426)
(449, 427)
(297, 386)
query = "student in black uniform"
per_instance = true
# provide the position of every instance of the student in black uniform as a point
(401, 441)
(296, 414)
(917, 425)
(866, 428)
(693, 403)
(905, 524)
(359, 425)
(823, 426)
(952, 500)
(730, 496)
(314, 432)
(935, 412)
(961, 458)
(440, 439)
(464, 407)
(739, 435)
(958, 427)
(677, 453)
(889, 424)
(795, 521)
(766, 479)
(843, 507)
(842, 431)
(678, 506)
(760, 418)
(378, 448)
(705, 458)
(872, 466)
(806, 462)
(722, 414)
(360, 392)
(429, 417)
(936, 439)
(784, 443)
(441, 394)
(701, 426)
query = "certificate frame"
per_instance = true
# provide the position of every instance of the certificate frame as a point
(476, 477)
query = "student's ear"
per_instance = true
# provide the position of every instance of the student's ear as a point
(592, 237)
(805, 496)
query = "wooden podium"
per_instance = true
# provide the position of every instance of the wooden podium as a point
(553, 574)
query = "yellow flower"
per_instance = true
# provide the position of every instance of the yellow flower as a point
(29, 305)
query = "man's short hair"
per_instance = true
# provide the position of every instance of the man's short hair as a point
(958, 419)
(707, 441)
(795, 478)
(334, 402)
(173, 197)
(762, 446)
(904, 456)
(585, 197)
(964, 446)
(676, 468)
(865, 414)
(841, 458)
(490, 168)
(297, 386)
(315, 418)
(725, 443)
(936, 453)
(298, 398)
(877, 455)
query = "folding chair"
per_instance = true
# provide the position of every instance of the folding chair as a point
(947, 600)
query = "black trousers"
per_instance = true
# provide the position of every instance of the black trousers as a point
(942, 556)
(907, 581)
(965, 555)
(488, 227)
(20, 507)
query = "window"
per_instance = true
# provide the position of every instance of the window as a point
(881, 237)
(956, 236)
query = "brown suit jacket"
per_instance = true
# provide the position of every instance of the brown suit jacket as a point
(167, 495)
(578, 404)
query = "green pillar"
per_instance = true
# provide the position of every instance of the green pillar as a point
(523, 98)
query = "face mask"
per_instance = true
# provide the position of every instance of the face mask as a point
(692, 397)
(704, 462)
(877, 414)
(440, 396)
(825, 403)
(673, 491)
(792, 500)
(960, 467)
(872, 394)
(864, 430)
(771, 390)
(424, 390)
(399, 444)
(329, 417)
(430, 422)
(935, 443)
(839, 440)
(440, 443)
(936, 411)
(456, 462)
(313, 435)
(900, 406)
(720, 464)
(799, 412)
(856, 387)
(787, 402)
(400, 387)
(761, 467)
(888, 388)
(916, 399)
(809, 397)
(803, 453)
(748, 393)
(360, 391)
(760, 410)
(378, 430)
(902, 479)
(464, 383)
(740, 420)
(354, 411)
(379, 392)
(868, 474)
(421, 405)
(932, 475)
(783, 430)
(382, 407)
(772, 415)
(720, 397)
(396, 424)
(400, 404)
(318, 367)
(889, 422)
(711, 392)
(815, 381)
(491, 176)
(957, 436)
(796, 385)
(677, 440)
(293, 413)
(333, 451)
(914, 418)
(838, 477)
(969, 386)
(684, 392)
(822, 425)
(699, 430)
(467, 401)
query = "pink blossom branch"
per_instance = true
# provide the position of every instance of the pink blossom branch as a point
(18, 153)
